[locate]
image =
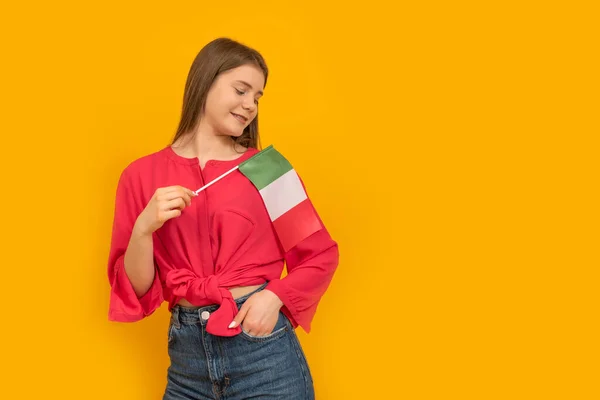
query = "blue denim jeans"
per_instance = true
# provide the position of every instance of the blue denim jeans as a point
(204, 366)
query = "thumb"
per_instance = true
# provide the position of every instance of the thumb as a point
(240, 316)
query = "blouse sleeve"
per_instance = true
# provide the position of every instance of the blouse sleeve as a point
(124, 304)
(311, 265)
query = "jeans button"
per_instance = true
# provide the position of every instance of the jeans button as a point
(205, 315)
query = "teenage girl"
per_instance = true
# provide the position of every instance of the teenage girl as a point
(215, 256)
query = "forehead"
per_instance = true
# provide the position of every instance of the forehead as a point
(246, 73)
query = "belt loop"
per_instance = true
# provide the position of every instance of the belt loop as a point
(175, 317)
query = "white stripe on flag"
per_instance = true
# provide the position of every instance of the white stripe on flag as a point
(283, 194)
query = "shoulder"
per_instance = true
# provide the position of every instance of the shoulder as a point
(251, 151)
(143, 165)
(245, 155)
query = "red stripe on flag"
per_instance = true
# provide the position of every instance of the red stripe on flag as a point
(297, 224)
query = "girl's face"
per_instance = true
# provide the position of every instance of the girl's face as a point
(232, 101)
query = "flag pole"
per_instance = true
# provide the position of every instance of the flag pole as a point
(216, 179)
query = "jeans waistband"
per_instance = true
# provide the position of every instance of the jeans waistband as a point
(187, 316)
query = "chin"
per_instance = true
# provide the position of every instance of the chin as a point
(233, 132)
(233, 135)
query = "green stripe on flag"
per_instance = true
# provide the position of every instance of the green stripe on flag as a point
(265, 167)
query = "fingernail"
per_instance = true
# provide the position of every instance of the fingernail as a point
(231, 325)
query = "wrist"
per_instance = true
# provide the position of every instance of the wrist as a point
(276, 298)
(140, 230)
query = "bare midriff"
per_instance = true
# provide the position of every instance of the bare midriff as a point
(236, 292)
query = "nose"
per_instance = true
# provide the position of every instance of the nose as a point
(249, 105)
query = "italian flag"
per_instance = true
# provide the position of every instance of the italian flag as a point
(285, 198)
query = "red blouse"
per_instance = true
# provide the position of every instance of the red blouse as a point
(224, 239)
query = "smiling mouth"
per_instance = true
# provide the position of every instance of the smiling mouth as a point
(240, 118)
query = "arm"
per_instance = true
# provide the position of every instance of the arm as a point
(139, 261)
(311, 264)
(136, 291)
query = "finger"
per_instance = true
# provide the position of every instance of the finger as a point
(189, 198)
(252, 333)
(171, 214)
(167, 189)
(186, 194)
(191, 192)
(261, 331)
(240, 316)
(186, 197)
(177, 203)
(182, 193)
(173, 195)
(175, 188)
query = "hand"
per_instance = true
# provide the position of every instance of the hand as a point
(165, 204)
(259, 314)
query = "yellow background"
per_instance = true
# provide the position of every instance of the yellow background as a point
(450, 147)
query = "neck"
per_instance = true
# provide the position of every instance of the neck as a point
(204, 143)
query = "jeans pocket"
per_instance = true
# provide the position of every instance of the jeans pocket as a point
(280, 329)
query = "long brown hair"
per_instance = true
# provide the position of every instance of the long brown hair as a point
(218, 56)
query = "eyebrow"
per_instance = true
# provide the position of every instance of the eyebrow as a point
(250, 86)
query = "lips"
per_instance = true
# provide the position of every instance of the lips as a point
(240, 118)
